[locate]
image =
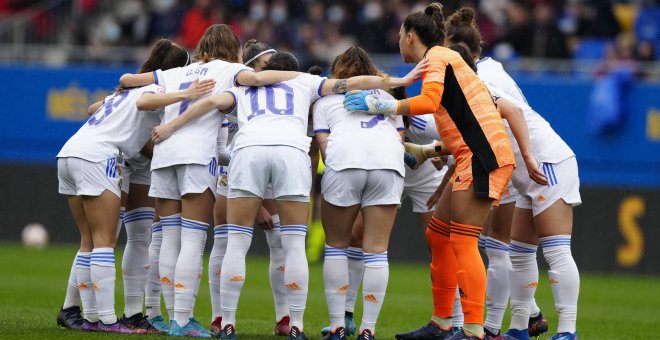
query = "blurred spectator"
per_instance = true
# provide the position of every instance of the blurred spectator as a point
(317, 30)
(548, 41)
(195, 21)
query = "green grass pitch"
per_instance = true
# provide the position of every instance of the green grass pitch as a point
(32, 285)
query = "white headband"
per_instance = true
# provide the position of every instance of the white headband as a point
(259, 55)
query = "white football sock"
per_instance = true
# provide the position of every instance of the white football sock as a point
(457, 318)
(84, 279)
(376, 275)
(72, 297)
(335, 281)
(535, 310)
(564, 279)
(103, 281)
(186, 274)
(200, 273)
(296, 275)
(135, 263)
(355, 272)
(523, 280)
(152, 290)
(482, 241)
(497, 283)
(169, 253)
(120, 222)
(232, 276)
(215, 267)
(276, 270)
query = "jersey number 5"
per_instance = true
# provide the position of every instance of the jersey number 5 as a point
(270, 100)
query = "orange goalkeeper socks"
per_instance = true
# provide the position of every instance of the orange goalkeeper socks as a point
(443, 268)
(471, 273)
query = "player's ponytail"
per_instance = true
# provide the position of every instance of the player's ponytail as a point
(429, 25)
(353, 62)
(465, 54)
(253, 50)
(165, 55)
(461, 27)
(218, 42)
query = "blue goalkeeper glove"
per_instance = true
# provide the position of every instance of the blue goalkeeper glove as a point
(365, 102)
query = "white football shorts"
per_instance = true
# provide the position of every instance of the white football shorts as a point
(174, 181)
(78, 177)
(563, 183)
(135, 174)
(420, 184)
(349, 187)
(286, 168)
(223, 184)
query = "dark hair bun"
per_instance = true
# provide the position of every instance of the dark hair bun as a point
(315, 70)
(433, 8)
(463, 17)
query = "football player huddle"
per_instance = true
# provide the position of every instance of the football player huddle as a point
(230, 131)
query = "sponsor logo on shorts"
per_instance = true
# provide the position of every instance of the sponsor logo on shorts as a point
(237, 278)
(343, 289)
(179, 286)
(532, 285)
(370, 298)
(540, 199)
(293, 286)
(554, 282)
(280, 269)
(165, 281)
(458, 179)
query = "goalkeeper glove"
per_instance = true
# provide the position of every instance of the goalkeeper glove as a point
(416, 154)
(363, 101)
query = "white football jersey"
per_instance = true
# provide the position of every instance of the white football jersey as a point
(194, 143)
(422, 129)
(359, 140)
(116, 127)
(276, 114)
(491, 71)
(547, 146)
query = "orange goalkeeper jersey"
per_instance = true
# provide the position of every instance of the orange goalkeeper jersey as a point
(468, 121)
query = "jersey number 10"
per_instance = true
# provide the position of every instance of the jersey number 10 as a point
(258, 110)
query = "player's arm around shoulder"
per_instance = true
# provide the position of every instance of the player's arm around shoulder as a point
(223, 101)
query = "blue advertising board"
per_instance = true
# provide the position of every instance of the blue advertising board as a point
(44, 106)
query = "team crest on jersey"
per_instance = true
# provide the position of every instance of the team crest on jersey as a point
(223, 181)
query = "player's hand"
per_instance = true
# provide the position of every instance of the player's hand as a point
(533, 169)
(264, 219)
(433, 200)
(420, 153)
(365, 102)
(161, 133)
(416, 73)
(199, 88)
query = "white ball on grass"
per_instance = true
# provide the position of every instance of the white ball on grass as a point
(34, 235)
